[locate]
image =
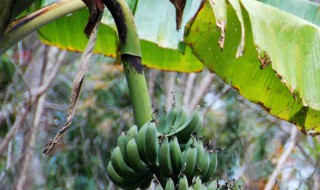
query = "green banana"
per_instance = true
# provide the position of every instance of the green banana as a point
(165, 165)
(197, 184)
(192, 125)
(134, 160)
(192, 132)
(120, 165)
(212, 167)
(204, 164)
(181, 118)
(122, 143)
(152, 145)
(190, 159)
(115, 178)
(213, 185)
(133, 131)
(118, 180)
(176, 156)
(169, 185)
(200, 151)
(141, 142)
(199, 124)
(171, 116)
(183, 183)
(203, 187)
(158, 187)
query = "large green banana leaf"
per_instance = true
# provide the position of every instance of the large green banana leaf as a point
(270, 54)
(290, 44)
(161, 45)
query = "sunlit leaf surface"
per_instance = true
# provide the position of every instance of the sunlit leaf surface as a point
(246, 73)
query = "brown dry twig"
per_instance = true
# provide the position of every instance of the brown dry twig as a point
(281, 162)
(188, 89)
(17, 124)
(170, 78)
(76, 87)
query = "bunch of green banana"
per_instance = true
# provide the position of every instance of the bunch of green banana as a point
(191, 126)
(124, 139)
(165, 164)
(170, 152)
(126, 168)
(190, 158)
(183, 183)
(148, 145)
(198, 161)
(194, 161)
(176, 123)
(207, 176)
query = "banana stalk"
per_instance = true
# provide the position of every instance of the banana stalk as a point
(131, 60)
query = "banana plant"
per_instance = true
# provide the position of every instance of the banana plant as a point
(267, 49)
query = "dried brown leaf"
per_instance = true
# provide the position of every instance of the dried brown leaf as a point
(179, 5)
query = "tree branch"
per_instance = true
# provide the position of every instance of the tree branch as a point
(223, 92)
(188, 89)
(170, 78)
(31, 142)
(40, 90)
(281, 162)
(201, 91)
(23, 110)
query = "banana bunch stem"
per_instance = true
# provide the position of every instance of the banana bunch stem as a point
(131, 59)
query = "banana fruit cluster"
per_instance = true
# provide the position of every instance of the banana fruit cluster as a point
(126, 169)
(177, 123)
(187, 169)
(169, 152)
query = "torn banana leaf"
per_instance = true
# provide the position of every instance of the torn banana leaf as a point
(279, 68)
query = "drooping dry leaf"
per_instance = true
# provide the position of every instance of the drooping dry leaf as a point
(96, 8)
(179, 5)
(76, 88)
